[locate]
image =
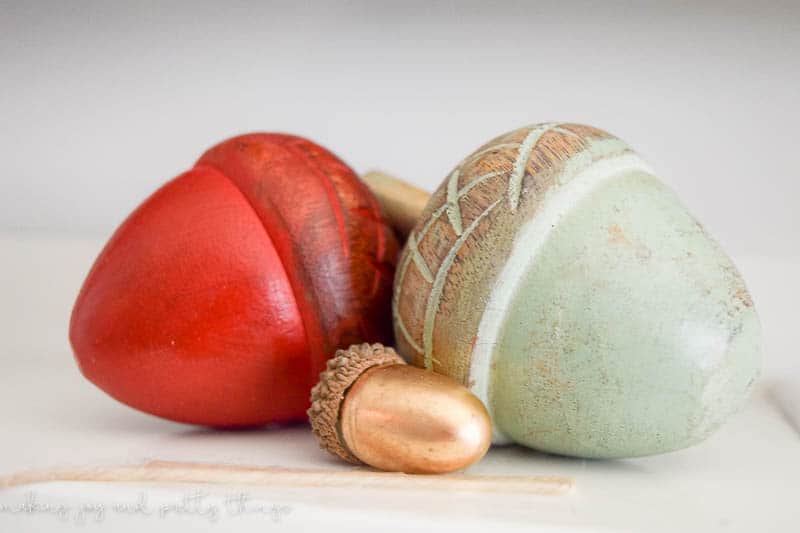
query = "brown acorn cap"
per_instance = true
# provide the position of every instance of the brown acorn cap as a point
(344, 368)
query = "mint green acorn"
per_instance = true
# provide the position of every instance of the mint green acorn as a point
(569, 289)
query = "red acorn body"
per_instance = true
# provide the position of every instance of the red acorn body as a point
(219, 300)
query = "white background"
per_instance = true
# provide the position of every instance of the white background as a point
(102, 102)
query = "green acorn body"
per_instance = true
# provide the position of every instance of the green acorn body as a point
(554, 275)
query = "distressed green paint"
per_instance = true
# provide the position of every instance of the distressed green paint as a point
(631, 333)
(555, 277)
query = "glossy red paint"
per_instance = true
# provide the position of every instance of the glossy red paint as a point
(219, 300)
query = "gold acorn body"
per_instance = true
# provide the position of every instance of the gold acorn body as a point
(370, 407)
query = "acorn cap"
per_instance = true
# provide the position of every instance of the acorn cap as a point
(344, 368)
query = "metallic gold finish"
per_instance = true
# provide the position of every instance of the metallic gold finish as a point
(405, 419)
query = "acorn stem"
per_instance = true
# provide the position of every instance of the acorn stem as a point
(402, 203)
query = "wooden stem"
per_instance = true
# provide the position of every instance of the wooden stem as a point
(402, 202)
(180, 472)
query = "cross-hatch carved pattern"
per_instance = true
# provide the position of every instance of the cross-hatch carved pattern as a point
(414, 255)
(523, 156)
(438, 286)
(413, 240)
(452, 208)
(422, 266)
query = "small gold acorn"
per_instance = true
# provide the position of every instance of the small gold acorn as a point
(370, 407)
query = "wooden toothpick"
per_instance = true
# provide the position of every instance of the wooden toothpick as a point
(270, 476)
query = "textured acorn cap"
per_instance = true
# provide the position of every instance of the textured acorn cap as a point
(344, 368)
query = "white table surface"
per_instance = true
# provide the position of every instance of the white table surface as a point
(744, 478)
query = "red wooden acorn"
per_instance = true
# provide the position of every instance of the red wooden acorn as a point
(220, 298)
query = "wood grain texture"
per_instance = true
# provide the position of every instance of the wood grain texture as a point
(219, 300)
(234, 475)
